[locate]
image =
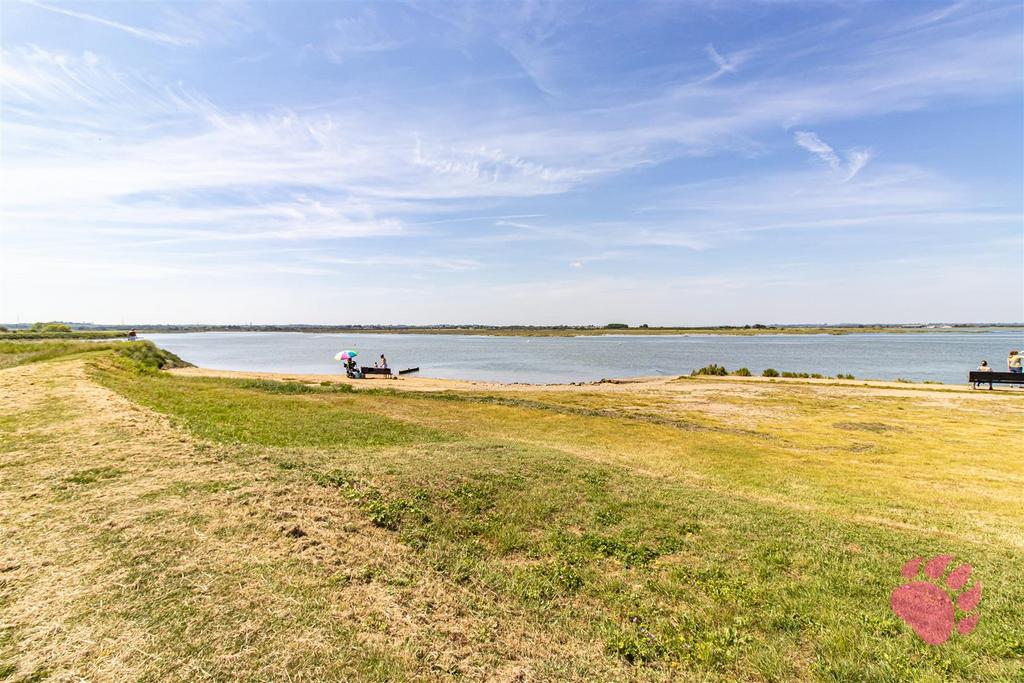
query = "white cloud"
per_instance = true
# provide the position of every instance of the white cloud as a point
(725, 65)
(855, 158)
(359, 34)
(138, 32)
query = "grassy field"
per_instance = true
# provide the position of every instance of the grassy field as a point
(168, 527)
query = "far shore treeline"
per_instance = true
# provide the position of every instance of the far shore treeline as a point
(70, 330)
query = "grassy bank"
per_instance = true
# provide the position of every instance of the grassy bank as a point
(147, 354)
(170, 527)
(24, 335)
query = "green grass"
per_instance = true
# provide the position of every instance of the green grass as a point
(577, 535)
(663, 573)
(93, 475)
(143, 353)
(266, 413)
(22, 335)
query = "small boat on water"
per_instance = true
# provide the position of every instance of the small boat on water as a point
(408, 370)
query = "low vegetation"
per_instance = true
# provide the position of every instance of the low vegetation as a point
(252, 529)
(55, 330)
(145, 354)
(716, 370)
(713, 370)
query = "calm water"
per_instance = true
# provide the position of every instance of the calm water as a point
(939, 356)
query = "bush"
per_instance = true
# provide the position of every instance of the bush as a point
(842, 376)
(616, 326)
(742, 372)
(148, 356)
(770, 372)
(51, 328)
(713, 369)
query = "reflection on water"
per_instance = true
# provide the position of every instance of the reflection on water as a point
(937, 356)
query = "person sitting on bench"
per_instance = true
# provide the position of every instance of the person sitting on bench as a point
(383, 362)
(984, 367)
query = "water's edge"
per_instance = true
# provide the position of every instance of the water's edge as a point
(942, 356)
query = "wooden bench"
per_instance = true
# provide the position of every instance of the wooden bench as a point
(380, 372)
(976, 378)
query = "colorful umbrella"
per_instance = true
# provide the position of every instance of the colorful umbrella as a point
(345, 355)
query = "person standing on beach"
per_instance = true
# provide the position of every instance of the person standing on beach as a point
(1013, 362)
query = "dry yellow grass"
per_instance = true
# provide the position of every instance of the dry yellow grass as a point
(145, 546)
(263, 602)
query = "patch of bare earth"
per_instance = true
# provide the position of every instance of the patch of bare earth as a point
(134, 552)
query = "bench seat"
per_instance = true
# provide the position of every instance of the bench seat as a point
(976, 377)
(383, 372)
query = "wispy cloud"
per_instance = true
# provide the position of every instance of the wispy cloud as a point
(138, 32)
(724, 65)
(374, 260)
(855, 158)
(359, 34)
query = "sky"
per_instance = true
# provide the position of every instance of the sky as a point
(667, 163)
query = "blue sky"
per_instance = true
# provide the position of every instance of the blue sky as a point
(423, 162)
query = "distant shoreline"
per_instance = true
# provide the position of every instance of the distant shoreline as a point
(89, 331)
(567, 331)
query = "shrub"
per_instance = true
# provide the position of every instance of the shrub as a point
(742, 372)
(770, 372)
(51, 327)
(149, 357)
(842, 376)
(711, 369)
(616, 326)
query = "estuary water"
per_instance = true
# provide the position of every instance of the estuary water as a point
(940, 356)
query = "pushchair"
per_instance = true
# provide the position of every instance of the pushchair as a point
(352, 371)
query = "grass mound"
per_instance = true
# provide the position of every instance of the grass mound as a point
(144, 354)
(149, 355)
